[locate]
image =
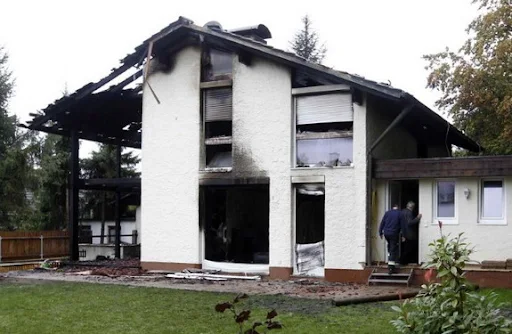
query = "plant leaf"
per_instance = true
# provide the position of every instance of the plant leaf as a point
(274, 325)
(272, 314)
(223, 307)
(243, 316)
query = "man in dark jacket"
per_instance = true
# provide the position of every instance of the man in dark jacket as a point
(390, 229)
(409, 227)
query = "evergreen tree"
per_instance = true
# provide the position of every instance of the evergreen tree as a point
(306, 43)
(15, 170)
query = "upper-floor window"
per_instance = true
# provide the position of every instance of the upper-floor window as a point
(492, 202)
(217, 108)
(445, 200)
(324, 124)
(216, 65)
(218, 125)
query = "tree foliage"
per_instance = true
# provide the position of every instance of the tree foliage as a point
(476, 81)
(52, 177)
(13, 161)
(306, 43)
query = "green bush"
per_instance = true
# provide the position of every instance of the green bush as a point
(450, 304)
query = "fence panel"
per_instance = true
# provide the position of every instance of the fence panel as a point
(25, 245)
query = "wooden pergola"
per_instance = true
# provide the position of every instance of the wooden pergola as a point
(112, 116)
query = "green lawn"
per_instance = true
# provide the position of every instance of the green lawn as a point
(94, 308)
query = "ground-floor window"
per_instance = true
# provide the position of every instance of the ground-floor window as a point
(236, 223)
(445, 199)
(309, 229)
(492, 202)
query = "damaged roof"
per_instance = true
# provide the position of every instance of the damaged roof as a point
(115, 114)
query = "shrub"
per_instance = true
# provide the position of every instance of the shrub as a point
(450, 304)
(241, 317)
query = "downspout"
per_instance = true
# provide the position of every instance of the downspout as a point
(369, 177)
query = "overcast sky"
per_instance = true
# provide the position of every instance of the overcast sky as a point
(57, 43)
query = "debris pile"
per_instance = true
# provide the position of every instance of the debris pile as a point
(191, 274)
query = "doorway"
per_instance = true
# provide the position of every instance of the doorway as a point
(309, 229)
(400, 192)
(236, 224)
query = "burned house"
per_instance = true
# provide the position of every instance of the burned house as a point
(256, 160)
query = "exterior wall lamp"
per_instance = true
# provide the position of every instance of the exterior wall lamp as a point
(467, 192)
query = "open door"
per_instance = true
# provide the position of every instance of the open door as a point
(401, 192)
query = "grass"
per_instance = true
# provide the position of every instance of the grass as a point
(98, 308)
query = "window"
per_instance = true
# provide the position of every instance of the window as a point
(84, 234)
(111, 234)
(218, 127)
(217, 109)
(445, 199)
(492, 202)
(324, 130)
(216, 65)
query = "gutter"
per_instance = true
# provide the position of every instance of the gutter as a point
(369, 179)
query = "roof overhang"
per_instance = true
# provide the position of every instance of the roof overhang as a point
(115, 115)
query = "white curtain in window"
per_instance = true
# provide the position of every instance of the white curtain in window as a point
(492, 199)
(324, 152)
(218, 104)
(325, 108)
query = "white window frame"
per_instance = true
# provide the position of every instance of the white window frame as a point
(446, 220)
(492, 220)
(314, 90)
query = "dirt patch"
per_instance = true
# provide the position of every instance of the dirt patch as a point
(129, 272)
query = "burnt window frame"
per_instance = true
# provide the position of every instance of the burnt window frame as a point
(222, 82)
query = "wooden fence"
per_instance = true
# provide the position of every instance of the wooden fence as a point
(28, 245)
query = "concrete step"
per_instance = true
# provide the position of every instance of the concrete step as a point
(404, 275)
(388, 281)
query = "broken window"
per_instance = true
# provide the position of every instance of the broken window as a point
(310, 229)
(324, 136)
(236, 222)
(218, 108)
(216, 65)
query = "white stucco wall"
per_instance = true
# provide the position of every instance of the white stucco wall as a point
(262, 129)
(262, 147)
(345, 203)
(490, 242)
(170, 161)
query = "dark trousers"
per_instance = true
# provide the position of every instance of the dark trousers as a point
(393, 252)
(409, 252)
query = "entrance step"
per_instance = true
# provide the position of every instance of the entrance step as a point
(379, 277)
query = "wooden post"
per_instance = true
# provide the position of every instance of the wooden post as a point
(118, 205)
(73, 196)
